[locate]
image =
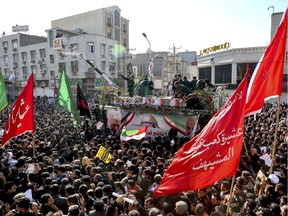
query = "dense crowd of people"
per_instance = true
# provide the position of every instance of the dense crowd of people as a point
(61, 175)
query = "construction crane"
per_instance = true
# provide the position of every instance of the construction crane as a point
(60, 45)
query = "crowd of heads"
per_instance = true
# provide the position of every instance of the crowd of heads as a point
(55, 171)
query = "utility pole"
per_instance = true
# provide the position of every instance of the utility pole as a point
(174, 56)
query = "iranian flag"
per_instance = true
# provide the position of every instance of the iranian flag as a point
(136, 134)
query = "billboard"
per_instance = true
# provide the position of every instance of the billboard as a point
(158, 125)
(19, 28)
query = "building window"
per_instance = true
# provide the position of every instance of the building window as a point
(42, 53)
(205, 73)
(109, 21)
(223, 74)
(5, 46)
(103, 50)
(52, 75)
(6, 59)
(125, 42)
(24, 56)
(117, 18)
(90, 47)
(103, 66)
(52, 60)
(33, 54)
(34, 69)
(62, 67)
(7, 72)
(74, 67)
(112, 67)
(74, 48)
(117, 34)
(24, 72)
(111, 52)
(111, 48)
(14, 45)
(15, 57)
(124, 27)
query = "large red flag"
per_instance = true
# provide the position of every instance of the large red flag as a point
(21, 117)
(266, 81)
(211, 155)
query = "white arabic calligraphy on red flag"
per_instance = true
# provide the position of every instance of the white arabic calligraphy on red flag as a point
(21, 117)
(266, 81)
(211, 155)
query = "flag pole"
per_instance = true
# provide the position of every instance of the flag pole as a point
(275, 137)
(33, 144)
(230, 195)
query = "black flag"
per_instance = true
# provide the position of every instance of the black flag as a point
(82, 104)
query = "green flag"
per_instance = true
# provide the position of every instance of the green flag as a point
(65, 98)
(3, 95)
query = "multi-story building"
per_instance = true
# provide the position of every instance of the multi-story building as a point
(96, 34)
(230, 65)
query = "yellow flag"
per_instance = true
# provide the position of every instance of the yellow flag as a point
(104, 155)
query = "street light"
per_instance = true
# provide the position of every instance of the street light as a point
(151, 65)
(149, 44)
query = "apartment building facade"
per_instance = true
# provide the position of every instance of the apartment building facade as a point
(95, 34)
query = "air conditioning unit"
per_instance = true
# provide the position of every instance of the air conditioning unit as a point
(39, 61)
(43, 59)
(57, 77)
(24, 62)
(43, 72)
(33, 61)
(15, 63)
(43, 84)
(14, 49)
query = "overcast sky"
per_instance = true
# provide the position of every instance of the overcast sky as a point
(187, 24)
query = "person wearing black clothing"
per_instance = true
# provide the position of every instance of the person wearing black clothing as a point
(209, 86)
(47, 204)
(130, 84)
(186, 82)
(193, 83)
(59, 201)
(249, 207)
(22, 208)
(181, 90)
(9, 192)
